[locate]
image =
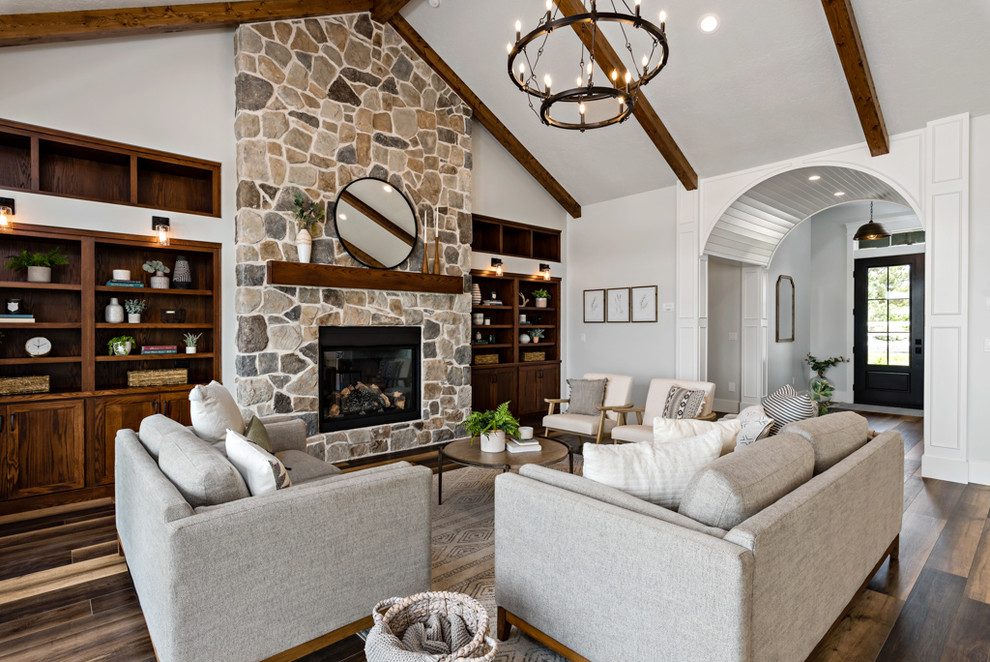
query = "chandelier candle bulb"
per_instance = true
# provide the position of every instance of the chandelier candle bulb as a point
(663, 21)
(518, 30)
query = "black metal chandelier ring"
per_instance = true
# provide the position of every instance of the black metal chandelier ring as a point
(582, 95)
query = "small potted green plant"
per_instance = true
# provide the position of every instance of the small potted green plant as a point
(134, 308)
(120, 345)
(191, 339)
(159, 281)
(492, 426)
(542, 296)
(38, 265)
(536, 334)
(821, 387)
(309, 213)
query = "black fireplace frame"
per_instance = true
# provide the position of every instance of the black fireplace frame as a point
(371, 337)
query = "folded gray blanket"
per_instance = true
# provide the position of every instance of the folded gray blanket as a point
(421, 642)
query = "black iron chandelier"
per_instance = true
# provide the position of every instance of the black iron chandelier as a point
(600, 98)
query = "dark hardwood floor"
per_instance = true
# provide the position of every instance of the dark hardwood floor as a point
(65, 596)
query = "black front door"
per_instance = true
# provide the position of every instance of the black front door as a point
(890, 331)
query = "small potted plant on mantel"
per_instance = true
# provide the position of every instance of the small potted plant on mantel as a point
(120, 345)
(492, 426)
(191, 339)
(134, 308)
(38, 265)
(542, 296)
(159, 281)
(308, 214)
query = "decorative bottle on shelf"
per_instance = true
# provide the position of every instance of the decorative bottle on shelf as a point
(182, 274)
(114, 312)
(475, 295)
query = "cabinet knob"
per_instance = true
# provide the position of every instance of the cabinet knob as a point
(166, 407)
(155, 406)
(13, 422)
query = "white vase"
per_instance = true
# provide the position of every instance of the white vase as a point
(114, 312)
(524, 338)
(121, 274)
(475, 295)
(159, 281)
(134, 318)
(122, 349)
(304, 245)
(541, 303)
(190, 350)
(39, 274)
(493, 442)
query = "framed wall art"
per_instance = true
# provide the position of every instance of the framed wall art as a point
(644, 303)
(617, 304)
(594, 306)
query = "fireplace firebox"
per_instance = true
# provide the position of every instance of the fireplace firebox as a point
(369, 375)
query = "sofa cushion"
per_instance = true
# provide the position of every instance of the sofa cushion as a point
(785, 405)
(303, 467)
(673, 429)
(683, 403)
(263, 472)
(577, 423)
(256, 433)
(633, 433)
(213, 412)
(832, 437)
(154, 429)
(199, 471)
(586, 396)
(736, 486)
(656, 472)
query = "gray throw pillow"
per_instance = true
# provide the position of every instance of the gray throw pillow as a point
(683, 403)
(586, 396)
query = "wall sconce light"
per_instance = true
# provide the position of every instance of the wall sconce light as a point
(545, 270)
(497, 265)
(162, 228)
(6, 211)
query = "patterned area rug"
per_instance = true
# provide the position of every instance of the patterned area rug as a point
(464, 550)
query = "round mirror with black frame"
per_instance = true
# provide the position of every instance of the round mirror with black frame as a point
(376, 223)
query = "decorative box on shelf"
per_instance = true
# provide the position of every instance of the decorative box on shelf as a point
(534, 356)
(485, 359)
(18, 385)
(157, 377)
(172, 315)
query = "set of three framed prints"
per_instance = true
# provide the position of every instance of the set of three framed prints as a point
(621, 304)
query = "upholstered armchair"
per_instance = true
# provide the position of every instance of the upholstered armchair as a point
(656, 397)
(618, 396)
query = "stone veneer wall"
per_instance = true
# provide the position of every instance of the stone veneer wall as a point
(321, 102)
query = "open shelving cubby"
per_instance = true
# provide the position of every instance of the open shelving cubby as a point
(494, 235)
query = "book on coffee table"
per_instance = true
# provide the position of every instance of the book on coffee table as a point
(514, 445)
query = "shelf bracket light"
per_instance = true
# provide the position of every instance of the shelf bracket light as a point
(6, 211)
(162, 228)
(545, 270)
(497, 265)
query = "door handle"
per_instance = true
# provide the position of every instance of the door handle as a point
(13, 422)
(155, 406)
(166, 408)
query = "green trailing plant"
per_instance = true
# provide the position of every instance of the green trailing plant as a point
(309, 213)
(25, 259)
(122, 341)
(191, 339)
(483, 422)
(821, 366)
(154, 266)
(537, 333)
(541, 294)
(135, 306)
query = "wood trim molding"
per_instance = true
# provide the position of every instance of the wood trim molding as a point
(329, 275)
(643, 112)
(506, 619)
(852, 55)
(384, 10)
(20, 29)
(341, 633)
(486, 117)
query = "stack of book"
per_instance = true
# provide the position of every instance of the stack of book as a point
(17, 318)
(514, 445)
(124, 283)
(159, 349)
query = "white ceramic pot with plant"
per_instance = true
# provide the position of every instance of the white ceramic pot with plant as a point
(308, 214)
(492, 426)
(38, 265)
(537, 334)
(542, 297)
(159, 281)
(134, 308)
(120, 345)
(191, 339)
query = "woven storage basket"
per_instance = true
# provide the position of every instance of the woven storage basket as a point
(395, 615)
(17, 385)
(485, 359)
(157, 377)
(534, 356)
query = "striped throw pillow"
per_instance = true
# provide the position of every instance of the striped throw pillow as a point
(785, 405)
(683, 403)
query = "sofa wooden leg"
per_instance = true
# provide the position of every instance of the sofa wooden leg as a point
(503, 627)
(895, 549)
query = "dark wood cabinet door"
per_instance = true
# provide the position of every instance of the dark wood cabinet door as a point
(493, 386)
(549, 384)
(43, 448)
(536, 383)
(117, 413)
(504, 387)
(175, 405)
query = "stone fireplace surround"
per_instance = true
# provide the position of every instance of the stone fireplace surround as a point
(321, 102)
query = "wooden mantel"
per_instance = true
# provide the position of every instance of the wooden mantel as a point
(329, 275)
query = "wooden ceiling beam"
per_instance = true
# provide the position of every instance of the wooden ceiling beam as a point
(852, 55)
(384, 10)
(21, 29)
(643, 111)
(486, 117)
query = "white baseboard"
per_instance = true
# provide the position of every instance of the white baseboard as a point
(941, 468)
(979, 472)
(727, 406)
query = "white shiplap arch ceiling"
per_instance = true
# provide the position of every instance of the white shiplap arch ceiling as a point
(752, 226)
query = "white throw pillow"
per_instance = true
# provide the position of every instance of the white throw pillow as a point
(666, 430)
(655, 472)
(263, 472)
(213, 411)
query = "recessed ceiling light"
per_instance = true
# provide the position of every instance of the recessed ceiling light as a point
(839, 194)
(814, 178)
(708, 23)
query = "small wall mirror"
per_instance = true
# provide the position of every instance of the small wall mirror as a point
(376, 223)
(785, 309)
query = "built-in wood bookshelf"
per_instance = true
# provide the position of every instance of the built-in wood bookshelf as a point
(494, 235)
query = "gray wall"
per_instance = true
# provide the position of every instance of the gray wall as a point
(724, 318)
(785, 360)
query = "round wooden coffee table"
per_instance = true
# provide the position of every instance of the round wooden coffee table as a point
(468, 452)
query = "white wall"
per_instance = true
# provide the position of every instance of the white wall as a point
(168, 92)
(785, 360)
(625, 242)
(725, 319)
(979, 300)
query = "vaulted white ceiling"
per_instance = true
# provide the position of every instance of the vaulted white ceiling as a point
(765, 87)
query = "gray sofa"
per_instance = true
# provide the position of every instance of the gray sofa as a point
(254, 576)
(782, 535)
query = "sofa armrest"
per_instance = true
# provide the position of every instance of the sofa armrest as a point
(612, 584)
(285, 433)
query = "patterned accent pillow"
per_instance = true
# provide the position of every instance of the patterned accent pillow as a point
(755, 425)
(586, 396)
(785, 405)
(263, 472)
(683, 403)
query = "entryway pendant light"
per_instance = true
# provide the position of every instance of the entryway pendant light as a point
(871, 230)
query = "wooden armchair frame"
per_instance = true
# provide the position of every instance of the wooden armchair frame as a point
(603, 414)
(639, 411)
